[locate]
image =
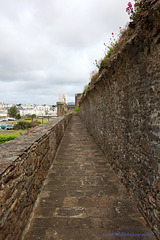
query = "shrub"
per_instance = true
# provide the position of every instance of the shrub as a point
(4, 139)
(38, 122)
(22, 125)
(18, 116)
(34, 124)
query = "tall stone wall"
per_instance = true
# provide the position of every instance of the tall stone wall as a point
(24, 163)
(122, 111)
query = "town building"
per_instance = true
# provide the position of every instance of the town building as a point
(29, 109)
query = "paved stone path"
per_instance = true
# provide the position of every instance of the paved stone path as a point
(82, 198)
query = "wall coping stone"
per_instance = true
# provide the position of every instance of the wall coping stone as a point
(13, 149)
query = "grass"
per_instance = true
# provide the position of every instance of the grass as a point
(94, 76)
(44, 120)
(7, 135)
(85, 90)
(15, 133)
(88, 131)
(4, 139)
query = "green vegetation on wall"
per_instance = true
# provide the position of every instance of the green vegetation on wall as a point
(76, 110)
(115, 43)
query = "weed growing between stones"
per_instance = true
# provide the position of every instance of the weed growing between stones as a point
(97, 63)
(85, 90)
(88, 131)
(110, 48)
(94, 76)
(76, 110)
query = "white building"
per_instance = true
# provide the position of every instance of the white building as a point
(1, 105)
(62, 98)
(3, 113)
(28, 109)
(38, 110)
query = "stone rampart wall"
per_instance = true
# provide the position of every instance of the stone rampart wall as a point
(24, 163)
(122, 111)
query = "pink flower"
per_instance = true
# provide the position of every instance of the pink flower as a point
(130, 4)
(128, 10)
(119, 27)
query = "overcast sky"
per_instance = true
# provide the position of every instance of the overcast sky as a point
(49, 47)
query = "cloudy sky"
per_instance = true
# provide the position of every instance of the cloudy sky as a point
(49, 47)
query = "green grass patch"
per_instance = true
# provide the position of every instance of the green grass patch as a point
(40, 120)
(10, 133)
(44, 120)
(4, 139)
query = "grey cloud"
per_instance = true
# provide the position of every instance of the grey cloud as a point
(49, 47)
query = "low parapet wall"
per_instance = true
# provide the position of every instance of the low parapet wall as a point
(122, 111)
(24, 163)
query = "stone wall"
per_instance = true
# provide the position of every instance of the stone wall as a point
(122, 111)
(24, 163)
(77, 99)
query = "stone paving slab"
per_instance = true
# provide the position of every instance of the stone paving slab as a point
(82, 198)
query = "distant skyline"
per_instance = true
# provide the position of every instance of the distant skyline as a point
(49, 47)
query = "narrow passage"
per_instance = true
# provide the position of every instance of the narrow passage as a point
(82, 198)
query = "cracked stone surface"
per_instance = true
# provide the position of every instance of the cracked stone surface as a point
(82, 198)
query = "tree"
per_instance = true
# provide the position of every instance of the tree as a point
(33, 116)
(12, 111)
(18, 116)
(53, 107)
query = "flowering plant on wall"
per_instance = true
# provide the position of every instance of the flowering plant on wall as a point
(134, 10)
(97, 63)
(110, 47)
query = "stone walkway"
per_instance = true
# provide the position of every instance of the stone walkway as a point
(82, 198)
